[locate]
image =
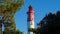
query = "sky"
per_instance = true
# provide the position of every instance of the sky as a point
(41, 9)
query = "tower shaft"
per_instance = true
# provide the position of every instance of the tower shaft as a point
(30, 19)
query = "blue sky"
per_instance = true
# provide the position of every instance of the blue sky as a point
(40, 7)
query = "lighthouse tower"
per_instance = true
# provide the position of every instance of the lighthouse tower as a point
(30, 19)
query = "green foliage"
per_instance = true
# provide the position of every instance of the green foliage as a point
(31, 29)
(10, 6)
(12, 32)
(7, 9)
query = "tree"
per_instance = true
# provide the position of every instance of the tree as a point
(12, 32)
(7, 10)
(50, 24)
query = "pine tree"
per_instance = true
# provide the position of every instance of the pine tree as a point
(50, 24)
(7, 10)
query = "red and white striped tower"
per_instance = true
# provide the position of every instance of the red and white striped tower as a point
(30, 19)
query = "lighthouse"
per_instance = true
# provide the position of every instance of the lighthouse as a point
(30, 19)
